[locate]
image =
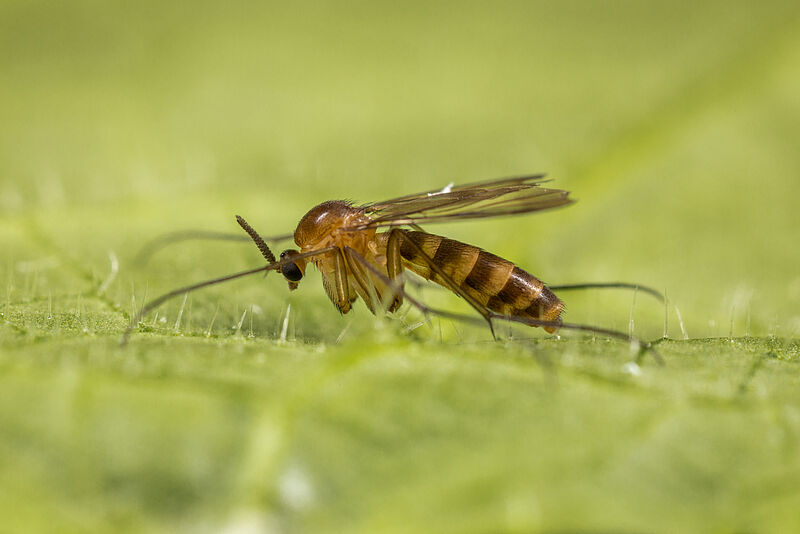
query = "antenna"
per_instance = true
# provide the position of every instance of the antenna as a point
(260, 243)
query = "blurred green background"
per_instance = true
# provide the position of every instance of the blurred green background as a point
(676, 127)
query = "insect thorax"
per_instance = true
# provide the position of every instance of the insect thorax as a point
(325, 225)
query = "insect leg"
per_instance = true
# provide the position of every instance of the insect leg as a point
(366, 286)
(338, 288)
(398, 288)
(643, 345)
(155, 303)
(610, 285)
(154, 245)
(394, 266)
(395, 237)
(387, 294)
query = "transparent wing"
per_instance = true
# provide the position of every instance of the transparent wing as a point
(493, 198)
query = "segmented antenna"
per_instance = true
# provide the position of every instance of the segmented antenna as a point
(262, 246)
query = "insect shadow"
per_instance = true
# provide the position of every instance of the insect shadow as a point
(363, 251)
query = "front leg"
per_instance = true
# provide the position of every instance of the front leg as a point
(334, 280)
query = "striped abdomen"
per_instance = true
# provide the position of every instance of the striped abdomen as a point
(494, 282)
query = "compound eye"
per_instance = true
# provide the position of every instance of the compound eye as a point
(291, 271)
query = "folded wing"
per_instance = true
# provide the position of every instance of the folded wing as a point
(493, 198)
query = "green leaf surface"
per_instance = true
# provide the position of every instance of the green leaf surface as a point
(246, 408)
